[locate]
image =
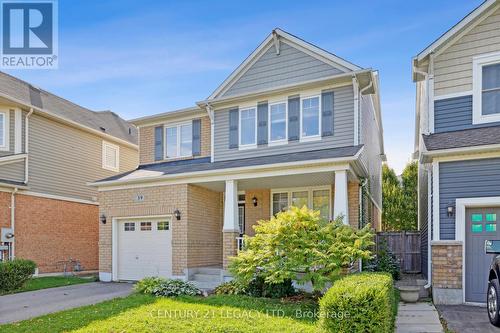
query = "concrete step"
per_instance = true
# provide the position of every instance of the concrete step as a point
(206, 277)
(204, 285)
(208, 270)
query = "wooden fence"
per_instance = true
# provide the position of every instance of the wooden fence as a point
(405, 245)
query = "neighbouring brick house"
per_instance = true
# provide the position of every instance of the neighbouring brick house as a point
(50, 149)
(293, 125)
(457, 143)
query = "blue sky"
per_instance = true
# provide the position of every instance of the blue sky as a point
(139, 58)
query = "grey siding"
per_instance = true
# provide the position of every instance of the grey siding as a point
(370, 139)
(289, 67)
(453, 67)
(465, 179)
(13, 171)
(343, 132)
(63, 159)
(454, 114)
(12, 134)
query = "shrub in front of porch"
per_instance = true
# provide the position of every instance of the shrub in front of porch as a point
(166, 287)
(300, 245)
(15, 273)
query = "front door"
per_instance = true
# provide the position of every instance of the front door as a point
(481, 225)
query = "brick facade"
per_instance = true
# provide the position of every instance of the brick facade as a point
(447, 265)
(353, 203)
(147, 144)
(196, 237)
(255, 213)
(230, 247)
(50, 231)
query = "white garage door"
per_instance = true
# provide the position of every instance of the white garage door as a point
(144, 248)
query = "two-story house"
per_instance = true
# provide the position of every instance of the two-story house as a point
(457, 141)
(50, 149)
(292, 125)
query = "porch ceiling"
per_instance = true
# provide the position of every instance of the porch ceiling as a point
(285, 181)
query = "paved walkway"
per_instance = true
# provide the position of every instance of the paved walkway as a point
(467, 319)
(31, 304)
(418, 318)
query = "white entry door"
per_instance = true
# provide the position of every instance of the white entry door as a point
(144, 248)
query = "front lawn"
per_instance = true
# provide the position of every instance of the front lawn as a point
(52, 282)
(143, 313)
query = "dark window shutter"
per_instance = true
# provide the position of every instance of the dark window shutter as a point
(196, 137)
(293, 118)
(158, 143)
(262, 124)
(233, 128)
(327, 113)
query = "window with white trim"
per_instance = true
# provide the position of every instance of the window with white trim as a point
(110, 156)
(278, 122)
(317, 198)
(248, 127)
(486, 88)
(310, 118)
(179, 140)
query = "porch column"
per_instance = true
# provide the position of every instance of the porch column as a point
(231, 228)
(340, 201)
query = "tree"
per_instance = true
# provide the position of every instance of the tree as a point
(400, 198)
(300, 245)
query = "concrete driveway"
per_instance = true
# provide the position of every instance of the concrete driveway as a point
(31, 304)
(467, 319)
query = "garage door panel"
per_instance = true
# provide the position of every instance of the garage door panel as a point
(144, 249)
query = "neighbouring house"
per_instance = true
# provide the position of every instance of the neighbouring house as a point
(292, 125)
(457, 142)
(50, 148)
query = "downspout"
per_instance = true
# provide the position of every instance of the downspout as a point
(210, 112)
(26, 138)
(13, 221)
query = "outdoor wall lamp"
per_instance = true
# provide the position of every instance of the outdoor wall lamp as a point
(450, 210)
(102, 218)
(177, 214)
(255, 201)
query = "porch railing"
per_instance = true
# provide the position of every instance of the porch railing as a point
(239, 243)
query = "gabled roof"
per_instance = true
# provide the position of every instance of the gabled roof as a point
(105, 122)
(457, 28)
(275, 37)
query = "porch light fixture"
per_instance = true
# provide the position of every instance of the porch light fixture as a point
(102, 218)
(450, 210)
(255, 201)
(177, 214)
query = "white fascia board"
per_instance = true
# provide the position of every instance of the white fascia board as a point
(240, 172)
(460, 153)
(161, 118)
(455, 29)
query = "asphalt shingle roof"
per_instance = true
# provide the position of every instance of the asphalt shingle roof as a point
(203, 164)
(463, 138)
(107, 120)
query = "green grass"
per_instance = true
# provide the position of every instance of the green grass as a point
(143, 313)
(51, 282)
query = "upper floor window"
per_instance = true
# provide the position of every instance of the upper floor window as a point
(248, 126)
(110, 156)
(486, 88)
(179, 140)
(277, 122)
(310, 121)
(3, 130)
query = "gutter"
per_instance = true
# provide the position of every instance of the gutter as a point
(427, 156)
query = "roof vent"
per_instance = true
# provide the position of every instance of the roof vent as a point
(129, 131)
(102, 128)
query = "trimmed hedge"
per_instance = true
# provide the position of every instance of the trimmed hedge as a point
(15, 273)
(359, 303)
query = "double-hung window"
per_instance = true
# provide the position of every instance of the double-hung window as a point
(248, 126)
(4, 130)
(277, 122)
(179, 140)
(110, 156)
(310, 119)
(486, 88)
